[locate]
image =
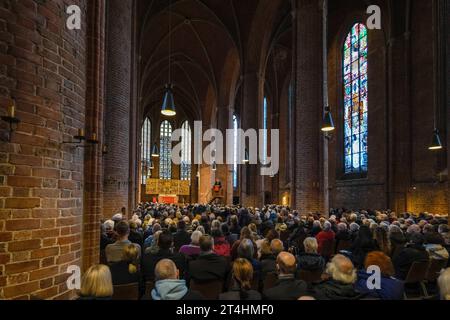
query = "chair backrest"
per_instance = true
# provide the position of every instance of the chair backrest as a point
(210, 289)
(417, 272)
(343, 245)
(270, 280)
(255, 282)
(149, 286)
(126, 292)
(310, 276)
(434, 269)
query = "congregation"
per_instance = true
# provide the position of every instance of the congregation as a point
(195, 252)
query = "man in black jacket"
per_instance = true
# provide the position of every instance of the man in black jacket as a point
(287, 287)
(412, 252)
(149, 261)
(181, 237)
(208, 266)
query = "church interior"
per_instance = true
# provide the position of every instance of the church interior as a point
(360, 100)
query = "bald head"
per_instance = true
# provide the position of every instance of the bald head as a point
(286, 263)
(166, 269)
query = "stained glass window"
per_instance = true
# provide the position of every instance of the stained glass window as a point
(165, 161)
(146, 140)
(355, 99)
(186, 151)
(235, 152)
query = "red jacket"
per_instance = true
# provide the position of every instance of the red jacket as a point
(322, 237)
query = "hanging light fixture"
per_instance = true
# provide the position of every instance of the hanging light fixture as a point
(436, 144)
(246, 157)
(327, 124)
(214, 166)
(155, 151)
(168, 106)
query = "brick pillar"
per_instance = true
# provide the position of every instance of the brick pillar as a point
(250, 175)
(446, 7)
(117, 109)
(224, 171)
(309, 105)
(42, 66)
(93, 182)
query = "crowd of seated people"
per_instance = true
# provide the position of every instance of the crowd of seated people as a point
(272, 253)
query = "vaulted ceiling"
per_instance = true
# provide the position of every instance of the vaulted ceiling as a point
(207, 39)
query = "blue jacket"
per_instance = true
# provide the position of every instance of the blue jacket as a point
(391, 288)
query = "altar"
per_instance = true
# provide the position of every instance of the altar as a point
(167, 191)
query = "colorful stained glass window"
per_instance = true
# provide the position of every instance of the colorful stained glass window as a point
(146, 145)
(165, 160)
(355, 99)
(186, 151)
(235, 151)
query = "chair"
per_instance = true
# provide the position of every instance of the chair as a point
(343, 245)
(416, 274)
(255, 283)
(126, 292)
(270, 280)
(210, 290)
(434, 269)
(149, 286)
(310, 276)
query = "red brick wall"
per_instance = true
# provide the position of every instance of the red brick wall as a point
(43, 72)
(403, 173)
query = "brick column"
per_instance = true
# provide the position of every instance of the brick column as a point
(93, 182)
(446, 7)
(117, 108)
(309, 105)
(250, 176)
(42, 66)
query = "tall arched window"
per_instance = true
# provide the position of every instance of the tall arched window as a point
(146, 145)
(265, 126)
(186, 151)
(355, 99)
(235, 152)
(165, 160)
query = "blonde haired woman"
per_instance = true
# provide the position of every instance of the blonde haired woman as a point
(96, 284)
(127, 270)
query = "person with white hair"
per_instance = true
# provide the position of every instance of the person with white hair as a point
(341, 277)
(117, 217)
(192, 249)
(342, 234)
(444, 284)
(310, 260)
(325, 237)
(354, 229)
(107, 235)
